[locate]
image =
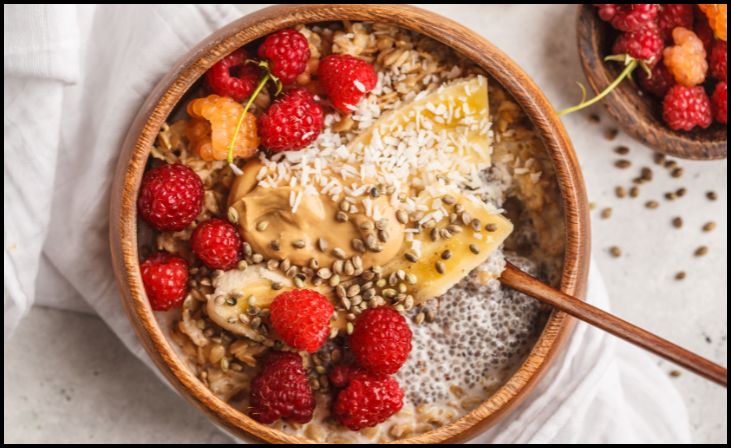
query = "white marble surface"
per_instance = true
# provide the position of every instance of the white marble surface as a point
(68, 379)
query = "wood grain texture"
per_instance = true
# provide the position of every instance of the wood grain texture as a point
(142, 133)
(519, 280)
(639, 115)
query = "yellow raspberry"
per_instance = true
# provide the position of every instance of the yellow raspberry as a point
(686, 60)
(212, 126)
(716, 19)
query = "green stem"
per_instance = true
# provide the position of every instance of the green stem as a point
(626, 72)
(261, 85)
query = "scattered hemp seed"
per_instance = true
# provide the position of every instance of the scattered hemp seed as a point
(680, 192)
(634, 192)
(622, 163)
(676, 172)
(701, 251)
(440, 267)
(680, 275)
(709, 226)
(611, 133)
(675, 373)
(659, 158)
(622, 150)
(341, 216)
(615, 251)
(652, 204)
(646, 173)
(594, 118)
(711, 195)
(677, 222)
(670, 195)
(620, 192)
(592, 205)
(233, 215)
(606, 213)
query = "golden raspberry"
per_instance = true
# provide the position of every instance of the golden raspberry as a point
(716, 19)
(213, 125)
(686, 60)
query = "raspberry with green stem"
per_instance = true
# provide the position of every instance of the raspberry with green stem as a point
(631, 64)
(635, 48)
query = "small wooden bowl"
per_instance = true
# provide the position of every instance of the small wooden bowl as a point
(142, 133)
(638, 114)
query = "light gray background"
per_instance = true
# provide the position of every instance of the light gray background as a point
(68, 379)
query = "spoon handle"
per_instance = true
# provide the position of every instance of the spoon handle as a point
(519, 280)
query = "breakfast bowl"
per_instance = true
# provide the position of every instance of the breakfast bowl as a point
(636, 112)
(521, 104)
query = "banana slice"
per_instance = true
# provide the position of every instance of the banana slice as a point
(457, 109)
(256, 281)
(456, 112)
(456, 256)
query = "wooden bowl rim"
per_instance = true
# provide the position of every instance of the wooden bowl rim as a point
(618, 104)
(164, 97)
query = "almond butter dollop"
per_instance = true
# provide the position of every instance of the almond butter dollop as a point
(314, 219)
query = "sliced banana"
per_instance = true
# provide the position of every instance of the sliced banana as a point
(466, 106)
(252, 287)
(457, 110)
(443, 262)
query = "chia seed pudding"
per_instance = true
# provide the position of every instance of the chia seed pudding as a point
(411, 199)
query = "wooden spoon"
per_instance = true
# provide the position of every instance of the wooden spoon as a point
(520, 281)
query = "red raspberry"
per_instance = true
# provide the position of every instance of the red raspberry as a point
(630, 17)
(703, 30)
(346, 79)
(367, 398)
(165, 277)
(718, 60)
(288, 52)
(281, 390)
(381, 340)
(233, 77)
(171, 197)
(217, 243)
(644, 45)
(719, 100)
(301, 318)
(672, 16)
(686, 107)
(659, 82)
(292, 122)
(341, 373)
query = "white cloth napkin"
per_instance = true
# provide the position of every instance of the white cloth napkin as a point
(74, 78)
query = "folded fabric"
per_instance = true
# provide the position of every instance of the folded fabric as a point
(75, 76)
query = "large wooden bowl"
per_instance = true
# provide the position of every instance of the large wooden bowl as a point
(639, 115)
(142, 133)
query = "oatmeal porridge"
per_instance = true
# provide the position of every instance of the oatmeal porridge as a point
(329, 212)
